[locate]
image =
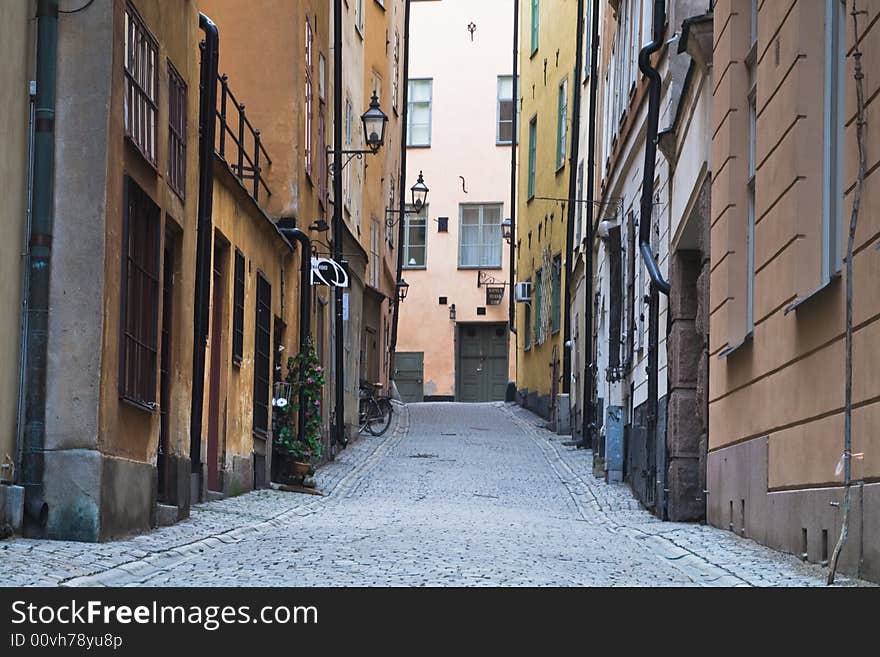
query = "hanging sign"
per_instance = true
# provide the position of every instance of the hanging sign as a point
(494, 295)
(326, 271)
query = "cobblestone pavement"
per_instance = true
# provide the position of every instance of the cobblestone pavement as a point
(455, 494)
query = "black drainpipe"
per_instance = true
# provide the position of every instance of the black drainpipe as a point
(573, 200)
(511, 302)
(658, 284)
(39, 261)
(207, 129)
(588, 423)
(401, 212)
(305, 309)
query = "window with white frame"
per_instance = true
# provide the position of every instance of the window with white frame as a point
(535, 25)
(418, 132)
(375, 240)
(580, 205)
(415, 239)
(561, 123)
(346, 172)
(307, 110)
(479, 236)
(505, 130)
(833, 229)
(395, 72)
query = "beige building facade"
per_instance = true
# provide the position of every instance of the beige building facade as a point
(453, 337)
(784, 158)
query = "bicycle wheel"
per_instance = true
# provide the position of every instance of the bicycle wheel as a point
(381, 419)
(365, 411)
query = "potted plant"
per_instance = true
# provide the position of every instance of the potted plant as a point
(304, 375)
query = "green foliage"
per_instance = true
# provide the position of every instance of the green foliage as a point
(304, 373)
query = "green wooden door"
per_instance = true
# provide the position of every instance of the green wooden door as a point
(481, 369)
(409, 375)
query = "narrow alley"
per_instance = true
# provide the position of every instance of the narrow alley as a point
(452, 494)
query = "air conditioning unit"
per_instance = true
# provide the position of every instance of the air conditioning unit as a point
(522, 291)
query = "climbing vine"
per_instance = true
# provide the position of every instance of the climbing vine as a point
(304, 374)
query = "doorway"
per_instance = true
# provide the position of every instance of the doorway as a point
(409, 375)
(215, 402)
(481, 367)
(164, 489)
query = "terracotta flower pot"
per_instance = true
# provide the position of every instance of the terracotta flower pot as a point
(298, 469)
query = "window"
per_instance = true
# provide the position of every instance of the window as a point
(415, 237)
(580, 205)
(238, 310)
(505, 132)
(480, 236)
(140, 297)
(588, 38)
(176, 132)
(533, 144)
(527, 328)
(753, 22)
(538, 295)
(375, 239)
(307, 110)
(561, 123)
(141, 85)
(346, 172)
(535, 24)
(418, 129)
(262, 355)
(395, 80)
(359, 17)
(322, 76)
(834, 116)
(556, 295)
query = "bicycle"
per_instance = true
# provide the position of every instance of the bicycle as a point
(374, 411)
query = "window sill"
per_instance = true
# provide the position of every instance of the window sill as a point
(797, 303)
(418, 145)
(474, 267)
(727, 351)
(416, 267)
(560, 168)
(148, 407)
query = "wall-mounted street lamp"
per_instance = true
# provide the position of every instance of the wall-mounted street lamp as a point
(452, 312)
(402, 289)
(419, 197)
(374, 120)
(506, 230)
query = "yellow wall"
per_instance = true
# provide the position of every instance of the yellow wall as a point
(539, 93)
(15, 41)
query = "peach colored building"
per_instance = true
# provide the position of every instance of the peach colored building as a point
(454, 342)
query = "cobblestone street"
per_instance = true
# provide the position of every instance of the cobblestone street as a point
(454, 495)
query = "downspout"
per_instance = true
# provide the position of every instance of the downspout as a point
(401, 213)
(588, 421)
(338, 230)
(658, 284)
(511, 302)
(572, 197)
(207, 130)
(647, 201)
(305, 310)
(39, 265)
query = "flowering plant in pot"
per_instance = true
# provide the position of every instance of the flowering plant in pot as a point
(305, 375)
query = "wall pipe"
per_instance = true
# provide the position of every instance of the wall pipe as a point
(207, 131)
(338, 228)
(572, 196)
(511, 302)
(658, 284)
(39, 266)
(401, 227)
(588, 421)
(305, 310)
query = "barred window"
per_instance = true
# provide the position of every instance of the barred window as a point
(176, 132)
(140, 297)
(307, 110)
(238, 310)
(262, 356)
(141, 85)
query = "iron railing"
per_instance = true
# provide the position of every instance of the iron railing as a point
(246, 163)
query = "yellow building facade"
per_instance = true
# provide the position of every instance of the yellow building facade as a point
(547, 42)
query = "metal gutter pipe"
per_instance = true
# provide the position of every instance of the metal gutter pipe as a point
(511, 302)
(207, 131)
(39, 267)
